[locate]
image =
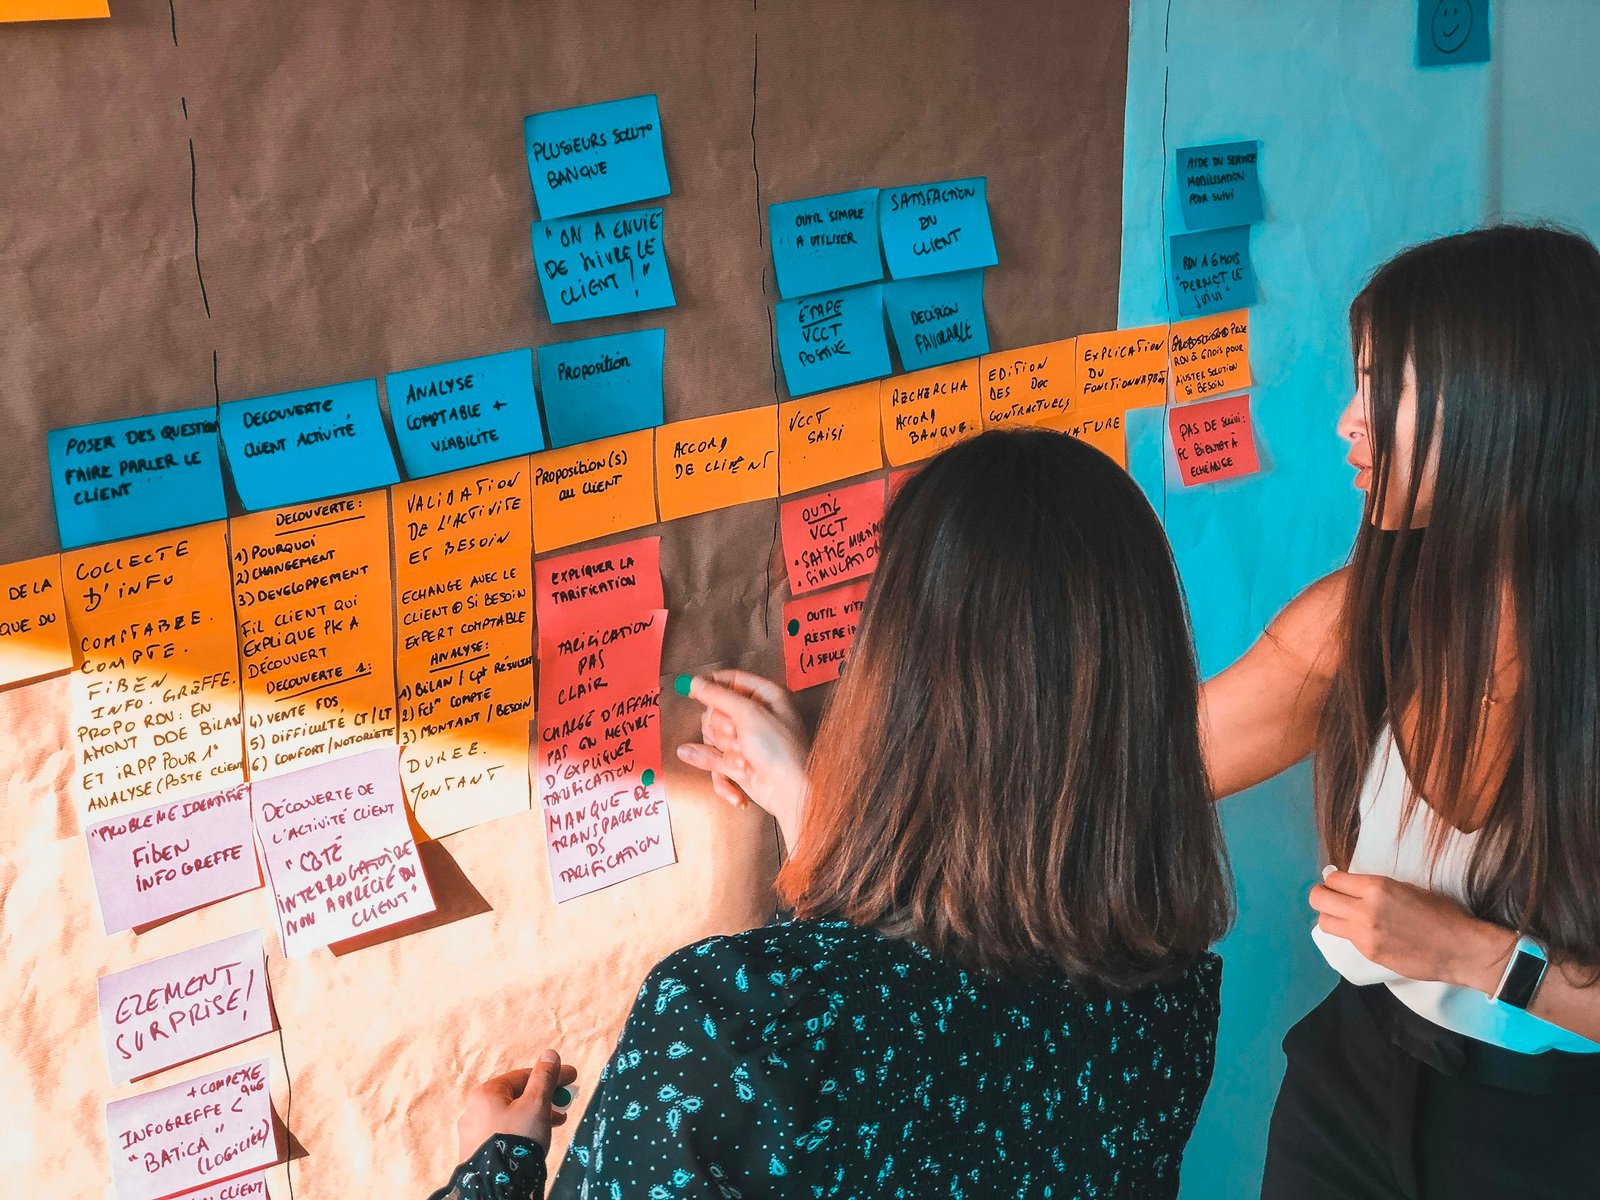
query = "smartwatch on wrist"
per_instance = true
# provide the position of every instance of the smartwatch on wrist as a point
(1523, 974)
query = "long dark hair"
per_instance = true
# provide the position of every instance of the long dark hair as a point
(1502, 328)
(1010, 770)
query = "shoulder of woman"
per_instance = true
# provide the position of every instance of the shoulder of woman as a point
(750, 981)
(1308, 627)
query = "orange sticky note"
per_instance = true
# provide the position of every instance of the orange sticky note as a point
(717, 462)
(925, 411)
(316, 630)
(1037, 385)
(1105, 430)
(33, 624)
(155, 692)
(590, 490)
(1211, 356)
(464, 648)
(53, 10)
(1126, 368)
(828, 437)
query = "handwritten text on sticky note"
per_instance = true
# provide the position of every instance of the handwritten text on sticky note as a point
(1213, 440)
(338, 851)
(596, 156)
(717, 462)
(1219, 185)
(170, 1010)
(33, 626)
(1211, 270)
(937, 318)
(817, 633)
(833, 536)
(832, 339)
(603, 266)
(466, 413)
(825, 243)
(191, 1133)
(1210, 356)
(1036, 385)
(594, 489)
(161, 861)
(307, 445)
(928, 410)
(599, 387)
(931, 228)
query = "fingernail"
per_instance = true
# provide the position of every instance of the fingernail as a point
(686, 753)
(1328, 870)
(682, 684)
(549, 1056)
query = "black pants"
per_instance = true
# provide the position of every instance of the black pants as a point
(1378, 1104)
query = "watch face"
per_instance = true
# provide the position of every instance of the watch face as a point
(1521, 979)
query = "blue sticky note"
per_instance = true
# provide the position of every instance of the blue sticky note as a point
(602, 266)
(601, 386)
(118, 479)
(307, 445)
(596, 156)
(1211, 271)
(466, 413)
(1219, 185)
(1452, 31)
(825, 243)
(936, 227)
(937, 319)
(831, 340)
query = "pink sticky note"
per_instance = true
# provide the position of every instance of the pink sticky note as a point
(817, 634)
(338, 850)
(599, 754)
(170, 1010)
(593, 584)
(832, 536)
(165, 860)
(247, 1187)
(897, 479)
(191, 1133)
(1213, 440)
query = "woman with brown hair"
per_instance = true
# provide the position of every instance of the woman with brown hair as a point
(993, 977)
(1447, 682)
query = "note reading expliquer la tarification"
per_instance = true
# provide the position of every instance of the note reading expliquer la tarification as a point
(155, 690)
(311, 586)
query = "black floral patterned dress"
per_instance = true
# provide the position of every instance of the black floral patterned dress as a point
(818, 1058)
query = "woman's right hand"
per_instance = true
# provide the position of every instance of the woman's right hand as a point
(754, 745)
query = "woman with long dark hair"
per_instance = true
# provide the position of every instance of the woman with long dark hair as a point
(994, 977)
(1447, 682)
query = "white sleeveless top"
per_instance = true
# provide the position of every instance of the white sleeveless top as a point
(1384, 848)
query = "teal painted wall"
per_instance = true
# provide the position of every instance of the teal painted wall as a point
(1362, 153)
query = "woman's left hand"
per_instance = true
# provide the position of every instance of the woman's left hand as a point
(517, 1102)
(1408, 929)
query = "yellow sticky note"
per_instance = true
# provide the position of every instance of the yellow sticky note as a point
(590, 490)
(1105, 430)
(33, 626)
(925, 411)
(828, 437)
(466, 777)
(1037, 385)
(717, 462)
(1211, 356)
(53, 10)
(1126, 368)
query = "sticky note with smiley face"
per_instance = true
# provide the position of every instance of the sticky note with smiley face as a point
(1452, 31)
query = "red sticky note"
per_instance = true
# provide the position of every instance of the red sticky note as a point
(817, 633)
(191, 1133)
(599, 755)
(571, 589)
(170, 1010)
(165, 860)
(1214, 440)
(832, 536)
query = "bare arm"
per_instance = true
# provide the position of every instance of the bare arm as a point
(1259, 716)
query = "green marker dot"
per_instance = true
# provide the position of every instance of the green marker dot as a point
(648, 777)
(561, 1098)
(682, 683)
(794, 627)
